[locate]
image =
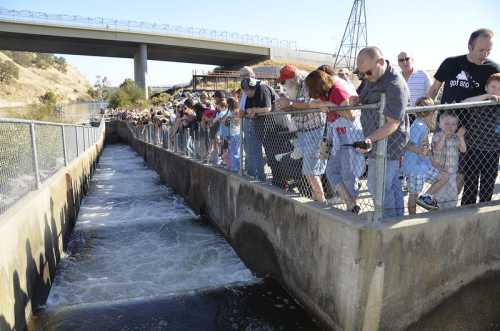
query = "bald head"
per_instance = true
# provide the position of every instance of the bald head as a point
(372, 53)
(371, 63)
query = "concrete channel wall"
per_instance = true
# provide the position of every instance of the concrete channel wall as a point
(351, 274)
(33, 233)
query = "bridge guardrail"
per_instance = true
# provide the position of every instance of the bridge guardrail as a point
(32, 151)
(139, 26)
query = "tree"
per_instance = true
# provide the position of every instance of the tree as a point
(128, 95)
(60, 64)
(49, 98)
(8, 71)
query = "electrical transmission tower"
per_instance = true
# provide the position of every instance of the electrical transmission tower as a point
(354, 38)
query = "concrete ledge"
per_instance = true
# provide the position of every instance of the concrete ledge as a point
(352, 275)
(33, 233)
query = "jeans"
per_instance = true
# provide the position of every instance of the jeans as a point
(234, 153)
(254, 160)
(393, 204)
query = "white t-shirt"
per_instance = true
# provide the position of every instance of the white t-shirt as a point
(418, 85)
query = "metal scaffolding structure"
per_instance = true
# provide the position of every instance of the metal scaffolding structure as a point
(355, 37)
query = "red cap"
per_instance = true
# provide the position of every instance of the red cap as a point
(287, 72)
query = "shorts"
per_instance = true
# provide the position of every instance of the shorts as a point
(416, 182)
(309, 142)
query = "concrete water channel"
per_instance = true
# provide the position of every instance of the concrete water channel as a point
(140, 259)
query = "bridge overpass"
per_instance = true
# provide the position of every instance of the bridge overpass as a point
(20, 31)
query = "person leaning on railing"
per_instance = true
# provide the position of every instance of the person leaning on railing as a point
(380, 78)
(309, 127)
(483, 140)
(345, 165)
(464, 77)
(254, 159)
(259, 100)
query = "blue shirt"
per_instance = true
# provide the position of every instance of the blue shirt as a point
(414, 164)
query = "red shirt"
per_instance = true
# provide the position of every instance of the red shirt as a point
(337, 95)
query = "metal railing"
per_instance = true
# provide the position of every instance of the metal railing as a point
(32, 151)
(287, 151)
(139, 26)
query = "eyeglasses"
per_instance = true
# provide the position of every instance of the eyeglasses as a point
(404, 59)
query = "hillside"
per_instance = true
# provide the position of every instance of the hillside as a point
(33, 82)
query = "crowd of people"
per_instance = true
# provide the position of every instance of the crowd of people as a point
(328, 151)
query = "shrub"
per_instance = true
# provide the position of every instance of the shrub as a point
(8, 72)
(128, 95)
(49, 98)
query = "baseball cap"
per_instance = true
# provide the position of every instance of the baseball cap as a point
(287, 72)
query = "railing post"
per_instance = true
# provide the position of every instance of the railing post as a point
(242, 152)
(76, 139)
(65, 151)
(380, 166)
(84, 140)
(34, 155)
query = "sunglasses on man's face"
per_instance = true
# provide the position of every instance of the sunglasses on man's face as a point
(404, 59)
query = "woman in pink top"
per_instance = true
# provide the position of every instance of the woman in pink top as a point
(345, 165)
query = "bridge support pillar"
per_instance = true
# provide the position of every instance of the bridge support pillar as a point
(141, 68)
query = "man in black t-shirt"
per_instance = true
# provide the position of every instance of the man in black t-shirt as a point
(465, 77)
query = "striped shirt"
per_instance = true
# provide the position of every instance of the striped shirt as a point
(418, 84)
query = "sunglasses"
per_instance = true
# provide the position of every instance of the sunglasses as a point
(404, 59)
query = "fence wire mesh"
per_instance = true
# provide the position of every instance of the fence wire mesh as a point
(452, 157)
(50, 150)
(17, 173)
(31, 152)
(311, 154)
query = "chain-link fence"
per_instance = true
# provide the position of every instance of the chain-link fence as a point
(32, 151)
(452, 157)
(316, 155)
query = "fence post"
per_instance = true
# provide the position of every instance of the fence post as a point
(84, 140)
(242, 152)
(65, 151)
(76, 138)
(380, 165)
(34, 155)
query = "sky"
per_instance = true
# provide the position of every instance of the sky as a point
(431, 30)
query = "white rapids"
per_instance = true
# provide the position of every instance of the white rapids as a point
(135, 238)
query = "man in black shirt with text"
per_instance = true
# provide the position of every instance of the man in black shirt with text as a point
(463, 77)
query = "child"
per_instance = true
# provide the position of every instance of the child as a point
(446, 148)
(480, 164)
(234, 134)
(417, 164)
(345, 165)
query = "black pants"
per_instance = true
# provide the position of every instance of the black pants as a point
(480, 168)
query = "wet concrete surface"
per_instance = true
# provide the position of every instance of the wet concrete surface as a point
(250, 307)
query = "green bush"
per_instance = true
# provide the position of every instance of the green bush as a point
(128, 95)
(49, 98)
(8, 72)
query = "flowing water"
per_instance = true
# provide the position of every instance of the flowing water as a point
(135, 238)
(139, 259)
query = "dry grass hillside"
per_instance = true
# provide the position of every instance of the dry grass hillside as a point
(34, 82)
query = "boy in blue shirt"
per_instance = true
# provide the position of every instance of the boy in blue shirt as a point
(417, 163)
